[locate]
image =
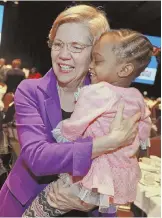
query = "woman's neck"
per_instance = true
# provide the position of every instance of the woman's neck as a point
(67, 89)
(66, 95)
(71, 87)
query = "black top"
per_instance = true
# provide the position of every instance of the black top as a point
(13, 79)
(65, 115)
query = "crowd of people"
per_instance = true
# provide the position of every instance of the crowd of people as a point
(16, 70)
(10, 77)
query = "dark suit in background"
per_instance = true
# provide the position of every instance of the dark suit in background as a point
(13, 79)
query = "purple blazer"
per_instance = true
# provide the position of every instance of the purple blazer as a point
(37, 113)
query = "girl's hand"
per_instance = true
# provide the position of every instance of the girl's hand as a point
(122, 133)
(124, 130)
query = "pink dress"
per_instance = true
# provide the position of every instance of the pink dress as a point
(114, 174)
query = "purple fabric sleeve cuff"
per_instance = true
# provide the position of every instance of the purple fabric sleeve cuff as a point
(82, 156)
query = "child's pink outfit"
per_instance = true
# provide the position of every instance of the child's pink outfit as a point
(114, 174)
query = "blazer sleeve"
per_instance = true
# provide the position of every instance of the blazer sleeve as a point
(41, 156)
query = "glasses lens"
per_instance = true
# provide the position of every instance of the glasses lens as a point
(56, 46)
(75, 47)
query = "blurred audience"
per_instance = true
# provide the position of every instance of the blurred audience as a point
(8, 100)
(3, 70)
(26, 71)
(3, 89)
(34, 74)
(14, 76)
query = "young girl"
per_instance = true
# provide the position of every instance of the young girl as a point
(117, 59)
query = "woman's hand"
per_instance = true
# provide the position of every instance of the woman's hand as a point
(62, 196)
(122, 132)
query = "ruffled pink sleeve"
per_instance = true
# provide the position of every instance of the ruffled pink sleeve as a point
(93, 102)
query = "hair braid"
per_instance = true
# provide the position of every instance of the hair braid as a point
(134, 47)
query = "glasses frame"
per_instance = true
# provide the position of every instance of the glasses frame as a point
(68, 45)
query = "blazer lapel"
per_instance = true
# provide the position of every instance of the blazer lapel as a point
(53, 111)
(52, 102)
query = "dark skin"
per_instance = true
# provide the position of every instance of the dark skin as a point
(104, 62)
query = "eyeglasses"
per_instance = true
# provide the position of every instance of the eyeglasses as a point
(73, 47)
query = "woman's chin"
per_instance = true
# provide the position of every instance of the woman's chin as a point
(64, 79)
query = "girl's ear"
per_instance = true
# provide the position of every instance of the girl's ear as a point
(126, 70)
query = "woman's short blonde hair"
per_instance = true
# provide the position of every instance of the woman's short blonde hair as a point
(94, 18)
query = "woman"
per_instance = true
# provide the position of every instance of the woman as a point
(42, 103)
